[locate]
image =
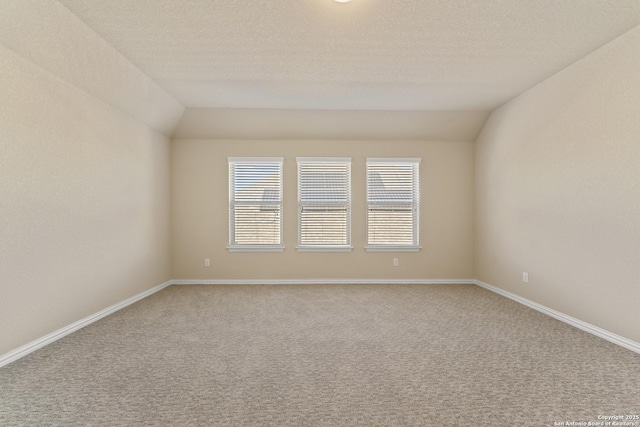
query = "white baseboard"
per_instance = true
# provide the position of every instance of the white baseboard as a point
(322, 281)
(16, 354)
(577, 323)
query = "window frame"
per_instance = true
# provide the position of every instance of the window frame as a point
(235, 247)
(347, 247)
(414, 162)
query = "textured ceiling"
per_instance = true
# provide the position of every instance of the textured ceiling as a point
(364, 55)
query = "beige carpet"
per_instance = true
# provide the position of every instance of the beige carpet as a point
(330, 355)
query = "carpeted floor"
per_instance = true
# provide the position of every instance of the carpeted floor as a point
(329, 355)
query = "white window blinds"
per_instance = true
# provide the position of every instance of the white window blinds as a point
(255, 203)
(324, 203)
(393, 204)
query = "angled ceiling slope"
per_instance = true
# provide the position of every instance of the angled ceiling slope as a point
(233, 123)
(454, 55)
(52, 38)
(390, 69)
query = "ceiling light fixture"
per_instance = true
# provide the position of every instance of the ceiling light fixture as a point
(342, 1)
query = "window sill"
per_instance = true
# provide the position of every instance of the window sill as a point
(392, 248)
(324, 248)
(255, 248)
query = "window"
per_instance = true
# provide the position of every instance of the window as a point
(393, 202)
(324, 204)
(255, 204)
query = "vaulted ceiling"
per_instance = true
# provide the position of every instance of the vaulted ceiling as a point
(437, 55)
(309, 69)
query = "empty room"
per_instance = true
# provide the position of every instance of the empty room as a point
(320, 212)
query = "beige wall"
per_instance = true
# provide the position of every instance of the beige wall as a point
(558, 191)
(84, 204)
(370, 125)
(200, 213)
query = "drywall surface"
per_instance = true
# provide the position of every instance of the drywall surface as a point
(50, 36)
(84, 204)
(200, 212)
(236, 123)
(558, 191)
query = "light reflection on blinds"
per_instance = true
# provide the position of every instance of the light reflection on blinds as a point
(393, 200)
(324, 198)
(255, 193)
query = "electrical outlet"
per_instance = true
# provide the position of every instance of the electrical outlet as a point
(525, 277)
(207, 262)
(396, 262)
